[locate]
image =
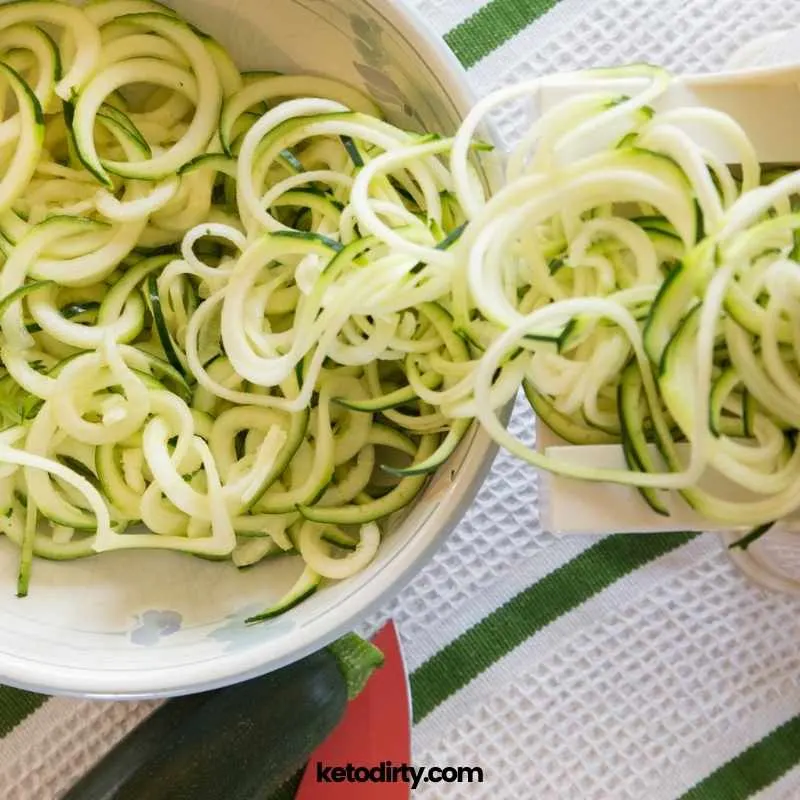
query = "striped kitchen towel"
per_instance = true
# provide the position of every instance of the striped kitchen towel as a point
(618, 668)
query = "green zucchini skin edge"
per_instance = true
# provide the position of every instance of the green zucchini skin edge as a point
(266, 730)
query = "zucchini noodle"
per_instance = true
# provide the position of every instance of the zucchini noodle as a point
(682, 355)
(244, 317)
(195, 315)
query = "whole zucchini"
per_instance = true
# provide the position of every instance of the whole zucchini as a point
(239, 743)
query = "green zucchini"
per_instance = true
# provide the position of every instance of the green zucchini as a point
(238, 743)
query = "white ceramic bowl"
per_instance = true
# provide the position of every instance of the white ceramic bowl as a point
(136, 625)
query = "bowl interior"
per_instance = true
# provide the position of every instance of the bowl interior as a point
(144, 624)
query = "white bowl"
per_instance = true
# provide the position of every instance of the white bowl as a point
(144, 624)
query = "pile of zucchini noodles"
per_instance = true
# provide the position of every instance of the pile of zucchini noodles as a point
(244, 317)
(649, 293)
(211, 342)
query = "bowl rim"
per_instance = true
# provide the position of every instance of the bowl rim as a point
(238, 666)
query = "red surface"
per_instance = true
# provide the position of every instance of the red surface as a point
(376, 728)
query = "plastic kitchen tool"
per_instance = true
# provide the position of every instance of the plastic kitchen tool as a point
(762, 75)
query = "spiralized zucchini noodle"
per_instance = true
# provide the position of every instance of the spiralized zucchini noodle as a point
(244, 317)
(213, 285)
(647, 290)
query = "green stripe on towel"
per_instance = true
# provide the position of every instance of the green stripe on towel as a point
(512, 624)
(492, 26)
(15, 706)
(755, 769)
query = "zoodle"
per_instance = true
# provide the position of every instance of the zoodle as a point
(195, 314)
(244, 317)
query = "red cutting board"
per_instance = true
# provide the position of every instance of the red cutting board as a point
(376, 729)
